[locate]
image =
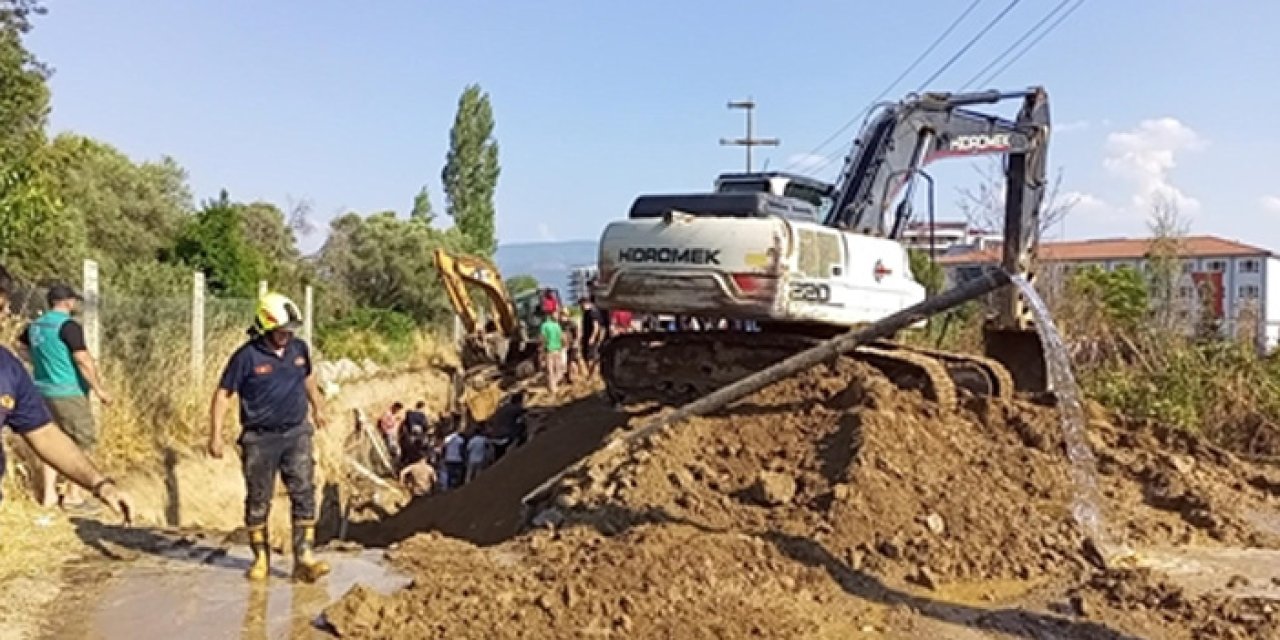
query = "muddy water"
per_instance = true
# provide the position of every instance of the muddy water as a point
(1087, 503)
(171, 596)
(1239, 572)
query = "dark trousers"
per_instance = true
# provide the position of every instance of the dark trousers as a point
(457, 471)
(288, 452)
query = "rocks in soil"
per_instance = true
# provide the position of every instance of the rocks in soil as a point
(774, 489)
(866, 489)
(936, 524)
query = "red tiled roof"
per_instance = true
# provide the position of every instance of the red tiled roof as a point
(1114, 249)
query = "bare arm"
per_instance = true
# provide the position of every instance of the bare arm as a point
(55, 448)
(89, 369)
(317, 401)
(217, 416)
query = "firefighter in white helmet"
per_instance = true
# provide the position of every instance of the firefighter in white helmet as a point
(272, 373)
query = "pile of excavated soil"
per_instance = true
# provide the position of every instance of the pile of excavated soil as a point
(1140, 594)
(818, 508)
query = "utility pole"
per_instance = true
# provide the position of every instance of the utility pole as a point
(749, 106)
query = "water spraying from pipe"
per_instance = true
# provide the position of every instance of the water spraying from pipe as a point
(1086, 507)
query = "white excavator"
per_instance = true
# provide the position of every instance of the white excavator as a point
(779, 261)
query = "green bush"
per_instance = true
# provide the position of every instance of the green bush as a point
(381, 335)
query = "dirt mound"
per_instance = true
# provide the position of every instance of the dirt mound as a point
(818, 508)
(1140, 594)
(893, 484)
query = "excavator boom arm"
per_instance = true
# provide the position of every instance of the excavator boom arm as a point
(906, 136)
(457, 271)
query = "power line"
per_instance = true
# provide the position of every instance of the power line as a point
(937, 41)
(968, 45)
(995, 61)
(954, 58)
(1033, 43)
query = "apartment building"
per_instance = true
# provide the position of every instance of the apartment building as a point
(1238, 283)
(948, 237)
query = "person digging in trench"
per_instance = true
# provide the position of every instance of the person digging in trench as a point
(272, 373)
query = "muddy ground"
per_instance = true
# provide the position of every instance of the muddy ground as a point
(817, 509)
(814, 509)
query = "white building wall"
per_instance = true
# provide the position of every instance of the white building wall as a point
(1271, 303)
(1246, 281)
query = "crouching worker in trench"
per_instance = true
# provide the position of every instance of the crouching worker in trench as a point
(273, 376)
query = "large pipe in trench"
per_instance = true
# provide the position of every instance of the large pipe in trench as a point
(826, 351)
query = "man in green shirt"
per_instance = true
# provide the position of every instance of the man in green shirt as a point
(64, 373)
(553, 355)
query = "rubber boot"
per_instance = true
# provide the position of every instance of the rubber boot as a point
(261, 565)
(305, 565)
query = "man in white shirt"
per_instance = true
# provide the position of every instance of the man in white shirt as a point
(477, 454)
(455, 465)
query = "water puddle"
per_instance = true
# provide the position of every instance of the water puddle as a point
(1235, 571)
(174, 597)
(1087, 500)
(984, 593)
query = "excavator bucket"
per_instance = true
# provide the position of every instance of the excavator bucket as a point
(1022, 353)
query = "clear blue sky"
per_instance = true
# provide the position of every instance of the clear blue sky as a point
(348, 105)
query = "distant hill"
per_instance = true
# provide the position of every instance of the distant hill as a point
(549, 262)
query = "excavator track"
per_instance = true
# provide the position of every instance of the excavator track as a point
(676, 367)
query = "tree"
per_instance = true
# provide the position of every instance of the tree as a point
(926, 271)
(24, 95)
(214, 242)
(268, 232)
(471, 171)
(37, 238)
(17, 13)
(422, 211)
(1164, 262)
(1121, 294)
(385, 262)
(983, 206)
(522, 282)
(300, 218)
(32, 227)
(130, 213)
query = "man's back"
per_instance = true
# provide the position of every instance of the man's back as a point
(477, 448)
(552, 336)
(454, 445)
(52, 340)
(416, 418)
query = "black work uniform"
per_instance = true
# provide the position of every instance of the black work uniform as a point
(276, 434)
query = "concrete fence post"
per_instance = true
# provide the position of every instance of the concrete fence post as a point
(308, 313)
(91, 318)
(197, 328)
(262, 288)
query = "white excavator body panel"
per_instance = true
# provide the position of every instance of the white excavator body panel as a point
(758, 268)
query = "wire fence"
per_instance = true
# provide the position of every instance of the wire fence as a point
(158, 356)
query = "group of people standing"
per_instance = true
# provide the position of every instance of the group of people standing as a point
(443, 454)
(570, 346)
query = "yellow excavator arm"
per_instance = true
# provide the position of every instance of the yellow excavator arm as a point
(457, 271)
